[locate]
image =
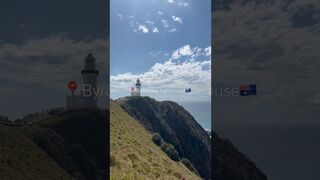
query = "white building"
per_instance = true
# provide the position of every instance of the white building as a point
(87, 97)
(136, 91)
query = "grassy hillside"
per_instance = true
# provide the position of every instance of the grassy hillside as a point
(21, 158)
(176, 126)
(69, 145)
(82, 137)
(133, 154)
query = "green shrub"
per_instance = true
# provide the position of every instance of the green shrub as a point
(166, 147)
(189, 165)
(157, 139)
(170, 151)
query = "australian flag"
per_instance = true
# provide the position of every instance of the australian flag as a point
(188, 90)
(246, 90)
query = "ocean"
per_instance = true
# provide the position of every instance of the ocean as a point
(282, 152)
(201, 111)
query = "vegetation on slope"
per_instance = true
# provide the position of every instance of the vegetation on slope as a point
(68, 145)
(176, 126)
(133, 154)
(85, 136)
(21, 158)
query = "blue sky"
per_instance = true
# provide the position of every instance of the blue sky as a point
(165, 43)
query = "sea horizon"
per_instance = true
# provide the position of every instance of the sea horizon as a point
(201, 111)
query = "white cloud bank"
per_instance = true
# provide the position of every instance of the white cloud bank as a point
(169, 79)
(47, 63)
(195, 52)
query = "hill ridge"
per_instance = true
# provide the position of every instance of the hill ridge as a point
(176, 126)
(133, 154)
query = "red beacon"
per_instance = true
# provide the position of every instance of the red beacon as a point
(72, 86)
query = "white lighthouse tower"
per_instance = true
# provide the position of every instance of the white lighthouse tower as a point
(89, 79)
(87, 99)
(138, 87)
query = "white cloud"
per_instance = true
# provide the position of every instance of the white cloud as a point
(177, 19)
(171, 75)
(183, 4)
(197, 52)
(150, 22)
(164, 23)
(143, 28)
(155, 30)
(208, 51)
(154, 25)
(48, 62)
(183, 51)
(192, 53)
(172, 30)
(139, 27)
(120, 16)
(180, 3)
(155, 54)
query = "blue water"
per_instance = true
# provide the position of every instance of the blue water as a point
(282, 152)
(201, 111)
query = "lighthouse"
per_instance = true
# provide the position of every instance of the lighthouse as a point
(87, 99)
(89, 80)
(138, 87)
(136, 91)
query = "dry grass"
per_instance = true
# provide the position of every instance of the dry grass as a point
(134, 155)
(20, 158)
